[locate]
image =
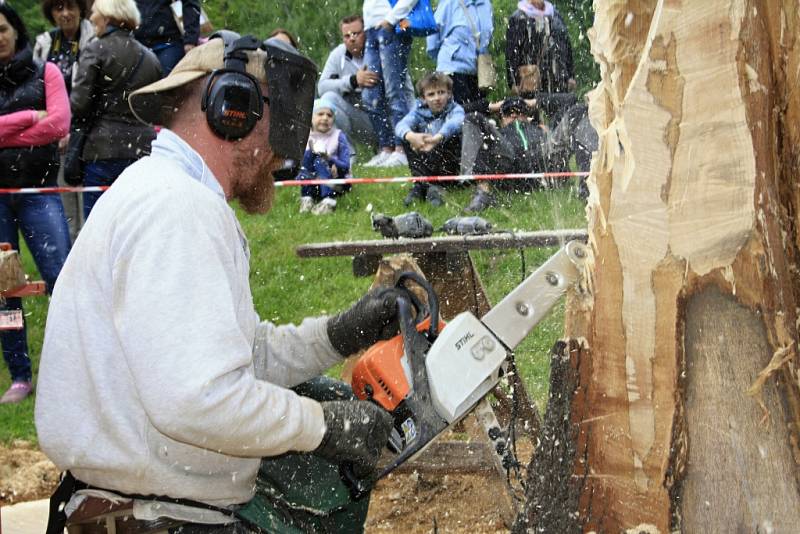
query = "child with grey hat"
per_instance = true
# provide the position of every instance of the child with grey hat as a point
(327, 156)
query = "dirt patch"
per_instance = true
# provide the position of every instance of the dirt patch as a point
(418, 503)
(410, 503)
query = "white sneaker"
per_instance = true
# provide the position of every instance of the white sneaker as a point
(395, 159)
(378, 159)
(326, 206)
(306, 204)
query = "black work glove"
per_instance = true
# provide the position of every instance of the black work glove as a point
(372, 318)
(355, 433)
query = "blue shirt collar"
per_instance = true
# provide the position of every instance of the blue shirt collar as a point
(169, 145)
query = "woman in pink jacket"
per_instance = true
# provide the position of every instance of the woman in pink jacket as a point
(34, 115)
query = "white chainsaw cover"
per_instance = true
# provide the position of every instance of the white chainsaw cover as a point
(463, 365)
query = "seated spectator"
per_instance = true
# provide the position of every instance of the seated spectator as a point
(160, 33)
(327, 156)
(538, 47)
(455, 47)
(574, 136)
(343, 79)
(518, 146)
(111, 67)
(431, 134)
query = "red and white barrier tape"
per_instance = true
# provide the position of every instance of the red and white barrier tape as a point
(332, 181)
(40, 190)
(408, 179)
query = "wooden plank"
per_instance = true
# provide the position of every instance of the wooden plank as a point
(11, 272)
(508, 240)
(31, 289)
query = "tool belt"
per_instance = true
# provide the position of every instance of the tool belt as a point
(98, 515)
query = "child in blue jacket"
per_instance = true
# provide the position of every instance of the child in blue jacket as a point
(431, 134)
(327, 156)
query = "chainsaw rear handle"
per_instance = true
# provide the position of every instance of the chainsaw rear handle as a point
(433, 301)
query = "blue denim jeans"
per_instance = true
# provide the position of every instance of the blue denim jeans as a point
(168, 55)
(386, 53)
(98, 173)
(41, 220)
(315, 166)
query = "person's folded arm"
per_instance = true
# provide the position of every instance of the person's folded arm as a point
(452, 125)
(176, 297)
(342, 156)
(332, 80)
(409, 123)
(14, 123)
(55, 125)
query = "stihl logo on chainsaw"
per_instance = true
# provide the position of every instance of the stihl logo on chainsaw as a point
(463, 340)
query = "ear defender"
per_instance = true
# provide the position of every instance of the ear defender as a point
(232, 98)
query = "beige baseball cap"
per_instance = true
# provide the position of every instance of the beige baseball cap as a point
(146, 103)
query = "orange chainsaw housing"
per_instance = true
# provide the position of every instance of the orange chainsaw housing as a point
(379, 375)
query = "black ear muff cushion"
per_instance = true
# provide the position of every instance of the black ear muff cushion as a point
(233, 104)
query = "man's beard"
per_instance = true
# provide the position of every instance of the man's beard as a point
(254, 188)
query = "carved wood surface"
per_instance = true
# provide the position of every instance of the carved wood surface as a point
(694, 186)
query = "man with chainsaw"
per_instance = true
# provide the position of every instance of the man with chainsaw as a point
(165, 400)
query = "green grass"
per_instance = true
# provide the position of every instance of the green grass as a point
(287, 288)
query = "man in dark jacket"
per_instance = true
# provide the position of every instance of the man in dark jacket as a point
(160, 32)
(517, 147)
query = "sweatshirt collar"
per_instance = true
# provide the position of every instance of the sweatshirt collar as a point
(170, 146)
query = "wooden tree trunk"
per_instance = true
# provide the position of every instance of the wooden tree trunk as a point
(675, 402)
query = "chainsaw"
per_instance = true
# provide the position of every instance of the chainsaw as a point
(433, 374)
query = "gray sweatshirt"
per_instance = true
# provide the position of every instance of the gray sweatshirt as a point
(157, 376)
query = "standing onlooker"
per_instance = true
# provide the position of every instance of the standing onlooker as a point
(327, 156)
(111, 67)
(462, 25)
(431, 133)
(387, 55)
(63, 45)
(34, 115)
(537, 43)
(159, 31)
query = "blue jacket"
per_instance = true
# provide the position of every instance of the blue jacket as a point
(421, 120)
(453, 48)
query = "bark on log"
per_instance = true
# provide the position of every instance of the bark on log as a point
(690, 415)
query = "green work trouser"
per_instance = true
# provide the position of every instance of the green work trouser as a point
(299, 493)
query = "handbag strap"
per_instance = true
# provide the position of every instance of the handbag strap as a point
(475, 33)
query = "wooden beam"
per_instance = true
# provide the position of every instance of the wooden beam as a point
(511, 240)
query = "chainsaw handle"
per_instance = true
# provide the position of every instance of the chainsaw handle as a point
(433, 300)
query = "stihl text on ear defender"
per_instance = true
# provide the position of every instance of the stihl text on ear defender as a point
(232, 98)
